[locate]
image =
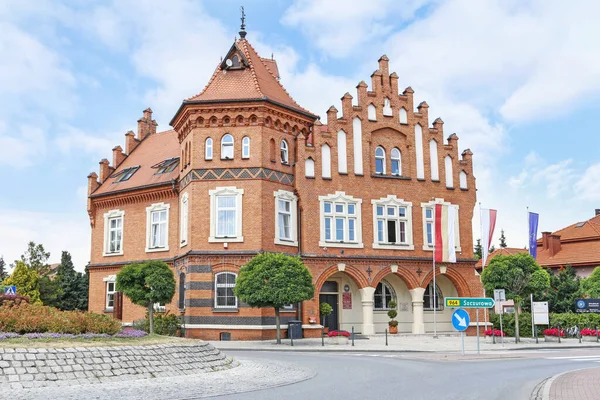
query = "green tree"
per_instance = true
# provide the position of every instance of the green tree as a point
(274, 280)
(519, 274)
(478, 250)
(146, 284)
(72, 284)
(565, 287)
(27, 282)
(36, 258)
(50, 291)
(3, 272)
(591, 285)
(503, 239)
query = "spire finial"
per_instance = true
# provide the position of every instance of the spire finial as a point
(243, 27)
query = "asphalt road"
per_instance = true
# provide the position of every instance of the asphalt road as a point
(350, 376)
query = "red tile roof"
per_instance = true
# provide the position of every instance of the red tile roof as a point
(574, 253)
(508, 251)
(588, 229)
(151, 151)
(257, 80)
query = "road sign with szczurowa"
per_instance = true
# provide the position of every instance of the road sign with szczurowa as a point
(469, 302)
(460, 319)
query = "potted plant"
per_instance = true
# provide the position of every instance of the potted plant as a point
(589, 335)
(338, 337)
(552, 334)
(392, 313)
(325, 309)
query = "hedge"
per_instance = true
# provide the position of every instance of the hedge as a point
(565, 320)
(36, 318)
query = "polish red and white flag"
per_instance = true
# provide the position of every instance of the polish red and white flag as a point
(488, 223)
(445, 243)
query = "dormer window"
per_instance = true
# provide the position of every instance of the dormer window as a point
(166, 166)
(125, 174)
(227, 147)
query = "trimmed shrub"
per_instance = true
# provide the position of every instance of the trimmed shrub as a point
(564, 320)
(166, 324)
(11, 301)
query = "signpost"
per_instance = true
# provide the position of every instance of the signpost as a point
(499, 297)
(469, 302)
(587, 305)
(10, 290)
(460, 322)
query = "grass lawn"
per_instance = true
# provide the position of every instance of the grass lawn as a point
(96, 342)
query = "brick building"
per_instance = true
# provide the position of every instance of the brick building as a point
(246, 169)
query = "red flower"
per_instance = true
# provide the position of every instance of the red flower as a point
(553, 332)
(338, 333)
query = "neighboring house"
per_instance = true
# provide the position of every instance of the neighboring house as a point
(246, 169)
(577, 245)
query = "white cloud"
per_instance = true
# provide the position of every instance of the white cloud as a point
(588, 185)
(73, 139)
(22, 147)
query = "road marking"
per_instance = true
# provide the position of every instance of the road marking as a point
(572, 357)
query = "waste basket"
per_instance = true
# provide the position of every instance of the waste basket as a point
(294, 329)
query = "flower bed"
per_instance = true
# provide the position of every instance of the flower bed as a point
(125, 333)
(553, 332)
(494, 332)
(338, 333)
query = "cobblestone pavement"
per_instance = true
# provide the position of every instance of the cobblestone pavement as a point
(583, 384)
(249, 376)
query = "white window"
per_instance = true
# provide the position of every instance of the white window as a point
(224, 284)
(110, 291)
(309, 168)
(340, 221)
(396, 158)
(384, 294)
(208, 149)
(379, 160)
(246, 147)
(342, 156)
(286, 218)
(184, 220)
(449, 175)
(433, 160)
(159, 307)
(227, 147)
(325, 161)
(284, 152)
(463, 180)
(419, 150)
(157, 227)
(371, 113)
(357, 144)
(387, 107)
(226, 214)
(113, 232)
(403, 116)
(429, 298)
(429, 224)
(392, 224)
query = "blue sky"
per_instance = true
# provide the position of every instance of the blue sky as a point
(518, 81)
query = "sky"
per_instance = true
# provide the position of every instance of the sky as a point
(517, 81)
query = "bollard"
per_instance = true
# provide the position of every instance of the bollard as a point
(536, 334)
(579, 334)
(596, 333)
(291, 339)
(322, 336)
(386, 342)
(559, 334)
(493, 336)
(353, 335)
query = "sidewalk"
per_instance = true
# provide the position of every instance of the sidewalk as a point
(580, 384)
(409, 343)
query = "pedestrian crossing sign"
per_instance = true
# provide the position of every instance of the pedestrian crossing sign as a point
(10, 290)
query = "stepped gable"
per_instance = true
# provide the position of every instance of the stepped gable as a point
(154, 149)
(250, 77)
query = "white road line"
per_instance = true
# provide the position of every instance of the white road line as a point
(572, 357)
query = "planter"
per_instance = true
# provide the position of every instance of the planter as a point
(393, 330)
(588, 339)
(341, 340)
(551, 338)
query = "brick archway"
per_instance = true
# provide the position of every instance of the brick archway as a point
(457, 279)
(403, 273)
(356, 275)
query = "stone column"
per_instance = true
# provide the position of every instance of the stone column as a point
(366, 296)
(418, 326)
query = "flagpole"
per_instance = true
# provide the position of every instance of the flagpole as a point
(434, 287)
(483, 263)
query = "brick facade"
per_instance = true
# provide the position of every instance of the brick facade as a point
(267, 120)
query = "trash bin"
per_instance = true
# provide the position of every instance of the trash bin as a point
(294, 329)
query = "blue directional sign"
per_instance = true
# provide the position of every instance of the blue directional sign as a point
(10, 290)
(460, 319)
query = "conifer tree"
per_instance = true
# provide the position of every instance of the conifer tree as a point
(3, 272)
(503, 240)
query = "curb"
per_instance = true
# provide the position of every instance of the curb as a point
(546, 388)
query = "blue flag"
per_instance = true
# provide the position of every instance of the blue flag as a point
(533, 227)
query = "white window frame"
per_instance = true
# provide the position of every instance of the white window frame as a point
(285, 152)
(225, 191)
(439, 302)
(246, 147)
(382, 158)
(392, 201)
(208, 149)
(285, 195)
(184, 219)
(156, 207)
(109, 280)
(385, 286)
(224, 285)
(159, 307)
(341, 198)
(113, 214)
(431, 204)
(227, 144)
(396, 159)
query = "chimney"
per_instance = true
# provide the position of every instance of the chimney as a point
(545, 239)
(554, 244)
(130, 142)
(118, 156)
(92, 183)
(105, 170)
(146, 125)
(597, 211)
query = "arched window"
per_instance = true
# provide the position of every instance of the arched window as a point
(403, 116)
(396, 158)
(384, 294)
(449, 176)
(224, 284)
(284, 152)
(463, 180)
(208, 149)
(325, 161)
(309, 168)
(371, 113)
(342, 157)
(387, 107)
(246, 147)
(379, 160)
(181, 290)
(227, 147)
(433, 160)
(428, 298)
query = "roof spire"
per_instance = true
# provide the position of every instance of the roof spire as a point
(243, 27)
